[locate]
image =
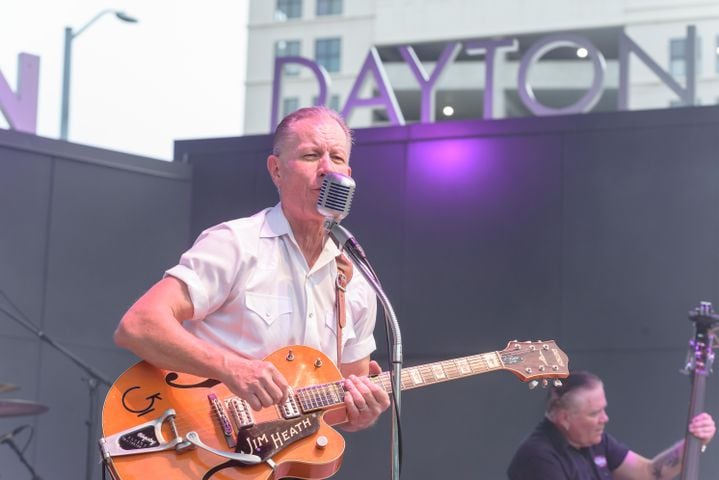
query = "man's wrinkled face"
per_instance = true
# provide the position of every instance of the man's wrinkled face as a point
(585, 418)
(315, 146)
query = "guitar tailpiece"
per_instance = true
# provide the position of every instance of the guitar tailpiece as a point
(144, 438)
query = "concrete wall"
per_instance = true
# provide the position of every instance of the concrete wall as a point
(83, 232)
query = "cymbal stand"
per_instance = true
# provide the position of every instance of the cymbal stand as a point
(10, 443)
(93, 380)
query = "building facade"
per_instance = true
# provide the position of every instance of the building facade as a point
(338, 34)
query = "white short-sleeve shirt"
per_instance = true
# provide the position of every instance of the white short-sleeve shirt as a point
(253, 293)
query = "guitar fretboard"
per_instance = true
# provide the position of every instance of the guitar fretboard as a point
(316, 397)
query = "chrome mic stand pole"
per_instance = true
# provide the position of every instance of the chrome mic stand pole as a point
(347, 242)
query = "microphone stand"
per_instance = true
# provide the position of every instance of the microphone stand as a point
(93, 380)
(347, 242)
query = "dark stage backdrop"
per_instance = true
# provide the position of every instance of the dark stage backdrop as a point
(599, 231)
(83, 232)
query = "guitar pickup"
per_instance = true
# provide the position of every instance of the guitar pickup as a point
(290, 409)
(241, 413)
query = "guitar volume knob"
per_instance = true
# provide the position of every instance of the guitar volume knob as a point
(321, 442)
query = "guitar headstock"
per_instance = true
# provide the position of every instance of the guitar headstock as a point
(533, 361)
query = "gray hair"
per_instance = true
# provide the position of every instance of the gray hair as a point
(563, 397)
(284, 128)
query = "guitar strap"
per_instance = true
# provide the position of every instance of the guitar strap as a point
(344, 275)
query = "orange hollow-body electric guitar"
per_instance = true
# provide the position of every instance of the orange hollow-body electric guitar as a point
(163, 424)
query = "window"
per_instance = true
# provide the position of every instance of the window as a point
(333, 104)
(289, 105)
(327, 53)
(677, 57)
(288, 48)
(329, 7)
(287, 9)
(716, 55)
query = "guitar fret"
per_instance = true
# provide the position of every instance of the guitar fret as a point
(438, 371)
(387, 383)
(415, 376)
(463, 366)
(492, 360)
(305, 399)
(316, 397)
(308, 399)
(453, 370)
(384, 380)
(337, 397)
(324, 397)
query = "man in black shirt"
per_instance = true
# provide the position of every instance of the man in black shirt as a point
(571, 444)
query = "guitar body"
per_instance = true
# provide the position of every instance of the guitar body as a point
(143, 392)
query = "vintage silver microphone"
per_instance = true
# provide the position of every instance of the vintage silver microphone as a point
(334, 204)
(336, 196)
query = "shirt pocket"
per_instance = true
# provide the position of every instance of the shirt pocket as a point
(347, 333)
(268, 307)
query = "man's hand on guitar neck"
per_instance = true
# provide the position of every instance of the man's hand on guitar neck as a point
(365, 400)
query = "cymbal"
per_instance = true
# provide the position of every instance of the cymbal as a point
(7, 387)
(18, 408)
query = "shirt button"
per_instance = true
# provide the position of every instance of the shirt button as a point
(310, 315)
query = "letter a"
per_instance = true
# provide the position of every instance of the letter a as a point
(386, 98)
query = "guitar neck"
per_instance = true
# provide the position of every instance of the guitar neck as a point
(443, 371)
(317, 397)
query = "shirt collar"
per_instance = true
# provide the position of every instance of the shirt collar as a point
(555, 435)
(560, 441)
(276, 225)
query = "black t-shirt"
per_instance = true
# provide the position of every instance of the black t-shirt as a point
(546, 455)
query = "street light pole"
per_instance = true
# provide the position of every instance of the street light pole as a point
(65, 112)
(67, 63)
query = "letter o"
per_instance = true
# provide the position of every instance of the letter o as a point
(537, 51)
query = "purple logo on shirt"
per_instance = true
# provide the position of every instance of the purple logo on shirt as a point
(600, 461)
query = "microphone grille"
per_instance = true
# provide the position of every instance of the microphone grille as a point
(336, 196)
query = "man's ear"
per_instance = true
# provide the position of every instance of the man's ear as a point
(273, 167)
(562, 417)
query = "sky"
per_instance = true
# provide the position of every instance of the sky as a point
(136, 87)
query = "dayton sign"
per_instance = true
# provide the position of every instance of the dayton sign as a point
(427, 82)
(20, 108)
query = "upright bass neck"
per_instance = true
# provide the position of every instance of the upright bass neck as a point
(701, 357)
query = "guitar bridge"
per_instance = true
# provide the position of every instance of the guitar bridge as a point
(144, 438)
